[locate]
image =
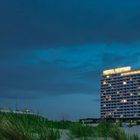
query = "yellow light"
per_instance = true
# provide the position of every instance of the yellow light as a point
(106, 72)
(124, 101)
(104, 83)
(131, 73)
(117, 70)
(124, 69)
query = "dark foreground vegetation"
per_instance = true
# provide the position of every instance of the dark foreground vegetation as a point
(30, 127)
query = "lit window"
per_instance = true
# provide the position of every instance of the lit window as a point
(118, 92)
(104, 105)
(131, 94)
(124, 83)
(104, 83)
(124, 101)
(107, 76)
(109, 113)
(135, 102)
(106, 97)
(110, 85)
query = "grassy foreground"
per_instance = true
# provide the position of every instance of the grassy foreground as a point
(25, 127)
(29, 127)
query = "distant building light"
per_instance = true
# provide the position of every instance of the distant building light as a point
(124, 101)
(131, 79)
(124, 83)
(107, 76)
(118, 92)
(106, 72)
(106, 97)
(104, 82)
(110, 85)
(135, 103)
(109, 113)
(131, 73)
(117, 70)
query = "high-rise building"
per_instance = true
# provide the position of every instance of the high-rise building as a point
(120, 93)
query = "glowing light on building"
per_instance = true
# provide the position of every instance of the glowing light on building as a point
(118, 70)
(107, 76)
(135, 102)
(124, 83)
(107, 72)
(104, 83)
(124, 101)
(131, 73)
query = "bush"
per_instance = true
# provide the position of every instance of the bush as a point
(25, 127)
(79, 130)
(103, 128)
(117, 134)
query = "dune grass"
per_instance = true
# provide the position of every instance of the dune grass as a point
(25, 127)
(104, 129)
(31, 127)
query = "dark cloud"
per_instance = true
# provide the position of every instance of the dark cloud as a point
(50, 22)
(33, 81)
(32, 73)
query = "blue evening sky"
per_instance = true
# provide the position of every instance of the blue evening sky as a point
(52, 52)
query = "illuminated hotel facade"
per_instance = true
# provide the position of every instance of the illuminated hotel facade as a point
(120, 93)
